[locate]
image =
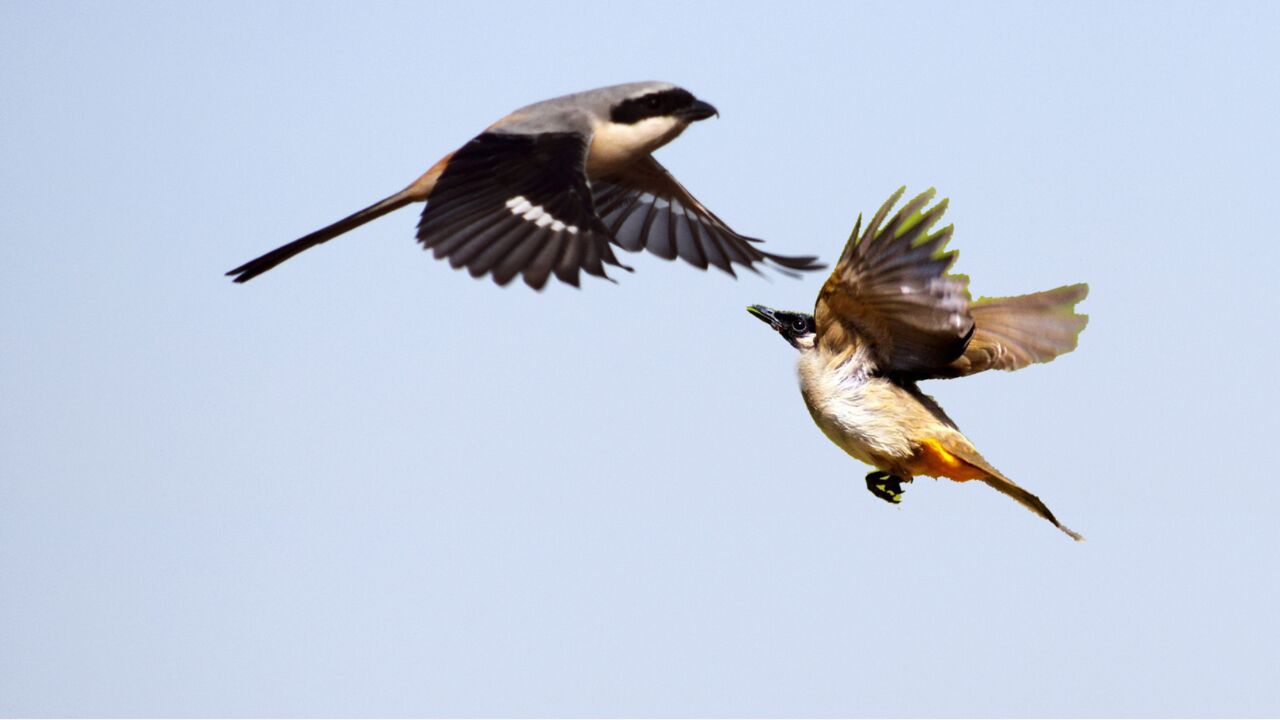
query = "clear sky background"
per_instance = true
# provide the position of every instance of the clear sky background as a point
(368, 484)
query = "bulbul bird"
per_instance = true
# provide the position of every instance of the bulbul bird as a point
(889, 316)
(546, 189)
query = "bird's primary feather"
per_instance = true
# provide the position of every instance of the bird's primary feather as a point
(891, 292)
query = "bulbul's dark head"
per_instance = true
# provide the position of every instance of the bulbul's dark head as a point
(796, 328)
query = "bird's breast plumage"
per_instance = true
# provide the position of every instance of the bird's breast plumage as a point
(614, 146)
(869, 417)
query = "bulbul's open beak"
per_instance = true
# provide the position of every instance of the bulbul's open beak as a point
(765, 314)
(699, 111)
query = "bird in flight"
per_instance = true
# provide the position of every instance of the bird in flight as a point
(889, 316)
(549, 188)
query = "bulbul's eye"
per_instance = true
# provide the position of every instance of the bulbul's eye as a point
(653, 102)
(799, 325)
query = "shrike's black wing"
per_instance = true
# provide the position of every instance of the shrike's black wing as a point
(514, 204)
(646, 209)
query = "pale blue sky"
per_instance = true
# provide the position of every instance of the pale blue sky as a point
(368, 484)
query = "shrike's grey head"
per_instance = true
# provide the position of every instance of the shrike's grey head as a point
(797, 329)
(626, 104)
(632, 120)
(649, 101)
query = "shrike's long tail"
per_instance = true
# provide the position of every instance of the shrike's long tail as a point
(257, 266)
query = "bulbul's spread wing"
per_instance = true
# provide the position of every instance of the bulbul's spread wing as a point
(1013, 332)
(646, 209)
(890, 292)
(511, 204)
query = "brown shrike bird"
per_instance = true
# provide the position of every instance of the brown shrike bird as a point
(547, 189)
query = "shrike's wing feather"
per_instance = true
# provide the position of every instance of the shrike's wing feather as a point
(513, 204)
(890, 291)
(646, 209)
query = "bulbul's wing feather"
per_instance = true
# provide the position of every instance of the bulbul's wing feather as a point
(518, 204)
(890, 291)
(646, 209)
(1013, 332)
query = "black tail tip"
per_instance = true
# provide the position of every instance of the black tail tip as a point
(245, 273)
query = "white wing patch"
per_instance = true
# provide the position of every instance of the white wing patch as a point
(518, 205)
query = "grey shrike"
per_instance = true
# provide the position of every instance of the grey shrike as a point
(546, 189)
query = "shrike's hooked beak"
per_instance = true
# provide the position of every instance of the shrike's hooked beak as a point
(767, 315)
(699, 111)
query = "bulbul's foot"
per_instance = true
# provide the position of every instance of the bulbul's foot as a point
(885, 486)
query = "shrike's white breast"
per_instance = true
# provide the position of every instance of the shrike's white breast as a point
(616, 145)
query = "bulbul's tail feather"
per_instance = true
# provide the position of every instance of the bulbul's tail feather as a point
(1013, 332)
(997, 480)
(1029, 501)
(257, 266)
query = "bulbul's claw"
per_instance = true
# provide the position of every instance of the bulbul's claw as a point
(885, 486)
